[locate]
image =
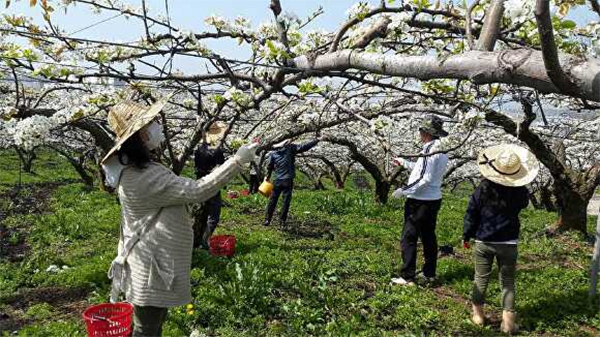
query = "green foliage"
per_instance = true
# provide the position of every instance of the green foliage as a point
(327, 274)
(40, 311)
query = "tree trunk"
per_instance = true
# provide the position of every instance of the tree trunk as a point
(572, 209)
(79, 166)
(87, 179)
(26, 158)
(595, 262)
(546, 199)
(318, 185)
(537, 204)
(28, 164)
(382, 191)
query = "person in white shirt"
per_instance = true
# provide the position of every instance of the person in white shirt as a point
(424, 198)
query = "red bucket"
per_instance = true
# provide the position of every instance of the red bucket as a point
(109, 319)
(222, 245)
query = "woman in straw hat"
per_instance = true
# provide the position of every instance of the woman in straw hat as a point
(155, 247)
(492, 219)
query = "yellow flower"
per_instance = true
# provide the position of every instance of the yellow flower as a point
(191, 312)
(190, 306)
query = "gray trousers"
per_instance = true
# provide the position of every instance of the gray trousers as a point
(148, 321)
(506, 256)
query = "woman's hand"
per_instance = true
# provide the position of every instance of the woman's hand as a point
(247, 153)
(397, 194)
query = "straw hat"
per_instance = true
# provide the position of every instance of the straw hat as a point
(508, 165)
(215, 132)
(127, 117)
(433, 125)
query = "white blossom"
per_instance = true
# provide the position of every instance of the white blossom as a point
(358, 9)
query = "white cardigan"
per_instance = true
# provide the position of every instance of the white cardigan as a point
(157, 270)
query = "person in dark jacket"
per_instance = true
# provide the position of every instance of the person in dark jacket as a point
(254, 182)
(492, 219)
(283, 162)
(207, 217)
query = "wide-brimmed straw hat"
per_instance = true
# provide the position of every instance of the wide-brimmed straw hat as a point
(433, 125)
(508, 165)
(215, 132)
(128, 117)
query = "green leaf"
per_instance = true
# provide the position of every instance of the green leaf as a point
(568, 24)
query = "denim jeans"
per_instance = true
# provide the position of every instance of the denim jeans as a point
(286, 188)
(506, 256)
(148, 321)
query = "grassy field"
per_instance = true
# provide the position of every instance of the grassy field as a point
(326, 274)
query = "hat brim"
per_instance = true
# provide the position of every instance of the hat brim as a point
(530, 166)
(142, 120)
(215, 136)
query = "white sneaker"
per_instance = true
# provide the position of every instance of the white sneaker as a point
(401, 281)
(421, 278)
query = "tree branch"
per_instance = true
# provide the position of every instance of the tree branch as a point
(520, 67)
(281, 29)
(468, 27)
(595, 6)
(491, 26)
(379, 29)
(549, 51)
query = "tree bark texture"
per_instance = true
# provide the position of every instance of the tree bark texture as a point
(521, 67)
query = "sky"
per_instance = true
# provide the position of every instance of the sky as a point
(190, 15)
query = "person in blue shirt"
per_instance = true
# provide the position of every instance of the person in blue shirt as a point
(283, 162)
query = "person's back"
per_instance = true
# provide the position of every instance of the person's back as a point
(283, 161)
(493, 212)
(206, 159)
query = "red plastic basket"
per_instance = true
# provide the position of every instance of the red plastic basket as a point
(109, 319)
(222, 245)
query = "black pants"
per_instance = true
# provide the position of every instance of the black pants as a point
(254, 183)
(148, 321)
(206, 219)
(280, 188)
(420, 217)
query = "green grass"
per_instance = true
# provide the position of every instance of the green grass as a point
(49, 167)
(327, 276)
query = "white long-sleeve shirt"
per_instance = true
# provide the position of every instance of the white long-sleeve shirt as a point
(427, 173)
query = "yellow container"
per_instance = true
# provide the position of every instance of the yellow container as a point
(266, 188)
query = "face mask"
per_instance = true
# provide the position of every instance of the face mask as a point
(155, 136)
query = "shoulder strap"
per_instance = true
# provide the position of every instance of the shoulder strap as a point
(117, 266)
